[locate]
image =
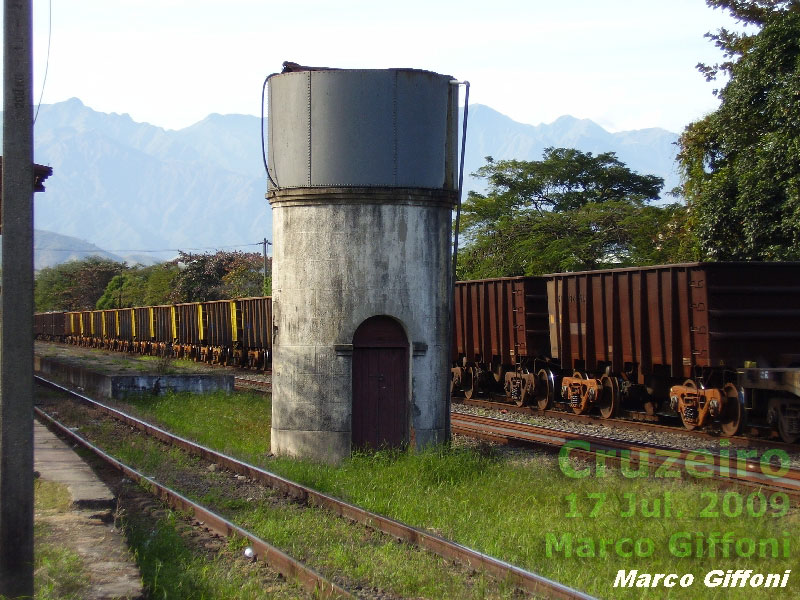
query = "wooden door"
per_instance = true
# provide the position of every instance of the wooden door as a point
(380, 385)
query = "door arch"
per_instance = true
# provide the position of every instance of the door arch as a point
(380, 384)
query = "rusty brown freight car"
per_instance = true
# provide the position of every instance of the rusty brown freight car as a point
(124, 338)
(142, 326)
(221, 330)
(501, 336)
(190, 330)
(255, 327)
(50, 326)
(672, 334)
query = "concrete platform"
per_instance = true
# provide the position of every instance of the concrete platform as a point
(109, 385)
(55, 461)
(88, 528)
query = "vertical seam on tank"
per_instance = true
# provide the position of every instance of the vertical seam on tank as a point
(271, 146)
(308, 92)
(394, 129)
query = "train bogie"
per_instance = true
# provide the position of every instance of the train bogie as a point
(500, 336)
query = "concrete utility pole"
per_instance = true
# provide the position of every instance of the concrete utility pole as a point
(16, 307)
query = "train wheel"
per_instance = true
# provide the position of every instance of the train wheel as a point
(468, 383)
(689, 383)
(730, 418)
(609, 398)
(544, 389)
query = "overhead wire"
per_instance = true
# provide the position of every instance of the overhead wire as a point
(141, 250)
(47, 62)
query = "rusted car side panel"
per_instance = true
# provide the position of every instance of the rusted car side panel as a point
(218, 323)
(72, 323)
(51, 325)
(109, 327)
(500, 321)
(674, 320)
(255, 320)
(752, 311)
(189, 326)
(143, 324)
(162, 324)
(125, 331)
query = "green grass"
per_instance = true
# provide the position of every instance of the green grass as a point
(510, 508)
(330, 544)
(170, 568)
(49, 495)
(237, 422)
(59, 572)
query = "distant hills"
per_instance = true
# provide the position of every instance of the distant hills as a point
(127, 187)
(51, 249)
(646, 151)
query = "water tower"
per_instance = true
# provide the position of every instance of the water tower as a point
(363, 181)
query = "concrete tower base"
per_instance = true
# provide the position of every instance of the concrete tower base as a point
(342, 257)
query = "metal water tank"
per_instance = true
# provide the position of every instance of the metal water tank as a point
(363, 181)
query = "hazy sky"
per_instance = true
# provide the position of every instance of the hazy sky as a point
(626, 64)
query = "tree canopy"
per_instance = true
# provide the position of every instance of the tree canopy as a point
(217, 276)
(75, 285)
(140, 286)
(100, 283)
(569, 211)
(741, 163)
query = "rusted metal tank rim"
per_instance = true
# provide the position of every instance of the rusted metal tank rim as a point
(310, 196)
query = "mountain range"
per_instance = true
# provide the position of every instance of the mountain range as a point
(142, 192)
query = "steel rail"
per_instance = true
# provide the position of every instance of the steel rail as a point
(531, 582)
(637, 421)
(736, 468)
(308, 578)
(252, 384)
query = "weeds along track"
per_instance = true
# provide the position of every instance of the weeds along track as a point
(445, 551)
(732, 467)
(308, 578)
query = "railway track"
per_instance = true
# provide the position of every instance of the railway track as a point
(248, 383)
(526, 580)
(756, 437)
(633, 420)
(312, 581)
(640, 421)
(739, 468)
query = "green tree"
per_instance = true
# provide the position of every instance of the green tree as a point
(741, 163)
(245, 279)
(75, 285)
(160, 283)
(570, 211)
(125, 290)
(217, 276)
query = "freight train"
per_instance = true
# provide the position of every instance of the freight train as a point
(229, 332)
(715, 343)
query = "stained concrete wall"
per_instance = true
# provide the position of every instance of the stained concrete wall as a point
(119, 386)
(340, 257)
